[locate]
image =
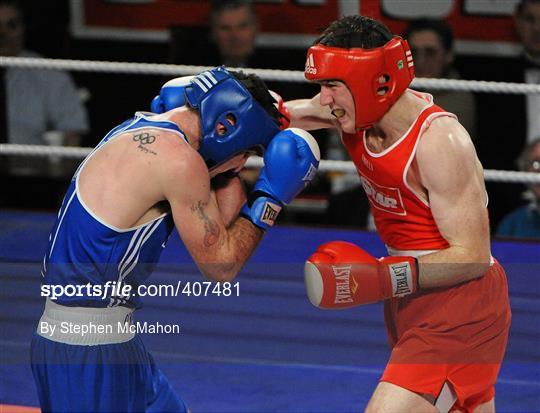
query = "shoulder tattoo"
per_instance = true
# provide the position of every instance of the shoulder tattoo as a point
(144, 139)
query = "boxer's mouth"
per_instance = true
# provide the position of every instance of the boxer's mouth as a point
(338, 112)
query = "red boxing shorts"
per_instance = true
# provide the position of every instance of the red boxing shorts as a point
(456, 334)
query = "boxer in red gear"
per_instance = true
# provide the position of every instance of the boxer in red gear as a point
(446, 298)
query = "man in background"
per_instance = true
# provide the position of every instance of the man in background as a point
(432, 46)
(233, 28)
(36, 100)
(527, 23)
(524, 222)
(507, 122)
(37, 107)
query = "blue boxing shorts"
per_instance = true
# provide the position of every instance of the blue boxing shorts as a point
(96, 372)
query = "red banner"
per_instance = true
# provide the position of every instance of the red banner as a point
(474, 22)
(276, 17)
(466, 26)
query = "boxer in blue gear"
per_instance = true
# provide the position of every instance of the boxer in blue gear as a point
(148, 175)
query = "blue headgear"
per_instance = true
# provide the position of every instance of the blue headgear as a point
(217, 94)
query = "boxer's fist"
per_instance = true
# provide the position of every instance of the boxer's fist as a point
(341, 275)
(290, 163)
(171, 95)
(285, 119)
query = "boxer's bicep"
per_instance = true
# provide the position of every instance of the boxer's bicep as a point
(449, 171)
(308, 114)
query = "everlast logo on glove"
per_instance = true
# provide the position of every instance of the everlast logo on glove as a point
(402, 282)
(343, 287)
(270, 213)
(310, 174)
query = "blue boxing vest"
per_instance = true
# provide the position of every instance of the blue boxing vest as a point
(83, 250)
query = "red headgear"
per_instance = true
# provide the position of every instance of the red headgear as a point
(376, 77)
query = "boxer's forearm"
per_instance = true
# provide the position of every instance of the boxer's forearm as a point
(239, 243)
(230, 196)
(451, 266)
(308, 114)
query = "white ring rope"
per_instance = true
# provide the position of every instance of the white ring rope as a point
(72, 152)
(8, 149)
(266, 74)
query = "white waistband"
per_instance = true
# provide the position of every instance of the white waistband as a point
(408, 253)
(85, 325)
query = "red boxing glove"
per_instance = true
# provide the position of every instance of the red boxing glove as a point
(341, 275)
(285, 119)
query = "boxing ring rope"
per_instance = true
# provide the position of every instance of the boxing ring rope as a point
(266, 74)
(253, 162)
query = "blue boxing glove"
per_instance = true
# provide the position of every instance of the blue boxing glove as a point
(171, 95)
(290, 163)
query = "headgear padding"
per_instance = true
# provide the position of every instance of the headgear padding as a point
(217, 95)
(376, 77)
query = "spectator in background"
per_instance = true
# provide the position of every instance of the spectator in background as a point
(231, 40)
(234, 27)
(525, 221)
(34, 101)
(527, 23)
(37, 107)
(432, 46)
(508, 121)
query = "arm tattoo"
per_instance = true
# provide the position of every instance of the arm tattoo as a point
(211, 228)
(144, 139)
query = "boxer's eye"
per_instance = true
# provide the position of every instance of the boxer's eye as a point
(331, 84)
(221, 129)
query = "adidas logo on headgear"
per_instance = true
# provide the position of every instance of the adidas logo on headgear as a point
(310, 65)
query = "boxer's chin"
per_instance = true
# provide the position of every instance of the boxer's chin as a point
(347, 125)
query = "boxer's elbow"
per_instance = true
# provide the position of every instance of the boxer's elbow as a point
(227, 274)
(477, 263)
(220, 272)
(478, 269)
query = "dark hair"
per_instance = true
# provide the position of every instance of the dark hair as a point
(219, 6)
(355, 31)
(258, 89)
(521, 5)
(439, 27)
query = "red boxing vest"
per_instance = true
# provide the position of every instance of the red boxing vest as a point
(403, 218)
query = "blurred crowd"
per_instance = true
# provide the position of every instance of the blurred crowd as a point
(51, 107)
